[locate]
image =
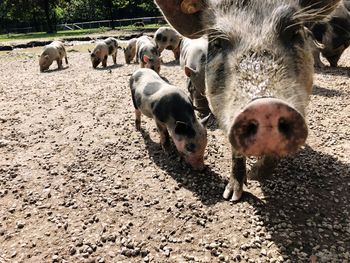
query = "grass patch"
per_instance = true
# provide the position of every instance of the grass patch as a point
(66, 33)
(43, 35)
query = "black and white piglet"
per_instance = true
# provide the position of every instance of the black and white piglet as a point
(173, 113)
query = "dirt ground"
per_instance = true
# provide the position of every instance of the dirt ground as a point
(78, 183)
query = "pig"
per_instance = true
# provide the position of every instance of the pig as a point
(258, 73)
(193, 53)
(147, 53)
(101, 51)
(130, 50)
(333, 34)
(168, 38)
(173, 113)
(51, 52)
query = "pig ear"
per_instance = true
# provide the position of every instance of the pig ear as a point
(183, 128)
(180, 128)
(146, 58)
(319, 8)
(189, 71)
(206, 119)
(184, 15)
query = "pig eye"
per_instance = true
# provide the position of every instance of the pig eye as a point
(190, 147)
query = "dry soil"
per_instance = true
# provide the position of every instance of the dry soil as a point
(78, 183)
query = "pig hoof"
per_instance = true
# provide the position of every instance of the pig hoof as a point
(228, 191)
(236, 195)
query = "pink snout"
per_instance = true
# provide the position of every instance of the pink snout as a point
(268, 126)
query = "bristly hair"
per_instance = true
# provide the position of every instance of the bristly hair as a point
(310, 14)
(216, 33)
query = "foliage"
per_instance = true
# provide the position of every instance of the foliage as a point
(45, 14)
(63, 34)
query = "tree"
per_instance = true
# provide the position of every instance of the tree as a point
(109, 7)
(47, 13)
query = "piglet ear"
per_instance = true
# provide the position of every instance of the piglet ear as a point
(188, 71)
(181, 128)
(146, 58)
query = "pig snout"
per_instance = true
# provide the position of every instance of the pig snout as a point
(196, 162)
(268, 126)
(193, 154)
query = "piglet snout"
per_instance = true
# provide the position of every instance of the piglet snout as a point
(197, 163)
(268, 126)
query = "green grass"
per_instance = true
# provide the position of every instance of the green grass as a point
(38, 35)
(65, 33)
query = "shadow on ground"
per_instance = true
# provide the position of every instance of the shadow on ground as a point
(206, 185)
(171, 63)
(110, 67)
(334, 71)
(56, 69)
(320, 91)
(307, 205)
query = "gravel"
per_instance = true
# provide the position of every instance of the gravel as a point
(78, 183)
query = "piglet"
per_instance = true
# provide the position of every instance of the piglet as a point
(172, 110)
(52, 52)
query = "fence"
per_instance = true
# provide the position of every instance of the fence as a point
(97, 24)
(108, 23)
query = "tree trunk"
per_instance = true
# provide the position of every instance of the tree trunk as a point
(109, 6)
(46, 7)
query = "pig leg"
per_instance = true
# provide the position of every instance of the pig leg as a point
(59, 63)
(114, 56)
(104, 61)
(164, 136)
(237, 178)
(137, 54)
(201, 102)
(65, 57)
(317, 60)
(190, 88)
(263, 168)
(138, 119)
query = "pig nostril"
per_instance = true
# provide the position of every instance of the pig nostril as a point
(284, 127)
(250, 130)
